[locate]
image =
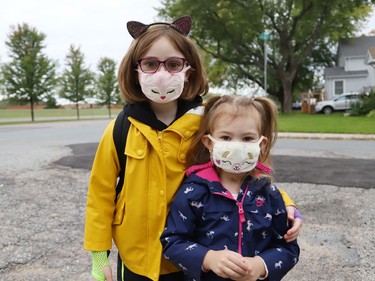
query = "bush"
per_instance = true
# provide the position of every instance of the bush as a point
(51, 102)
(365, 105)
(371, 113)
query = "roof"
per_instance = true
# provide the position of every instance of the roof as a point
(340, 72)
(355, 46)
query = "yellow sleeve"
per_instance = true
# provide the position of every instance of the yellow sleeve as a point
(101, 194)
(287, 200)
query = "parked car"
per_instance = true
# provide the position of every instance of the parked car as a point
(297, 104)
(341, 102)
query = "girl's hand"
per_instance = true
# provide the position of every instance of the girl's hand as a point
(256, 269)
(107, 274)
(293, 233)
(225, 263)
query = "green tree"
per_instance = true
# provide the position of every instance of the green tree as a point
(2, 88)
(30, 76)
(107, 91)
(51, 102)
(303, 35)
(77, 80)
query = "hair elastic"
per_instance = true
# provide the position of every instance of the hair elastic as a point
(264, 168)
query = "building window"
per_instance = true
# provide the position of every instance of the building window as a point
(339, 87)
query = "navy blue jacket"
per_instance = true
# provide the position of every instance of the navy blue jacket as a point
(205, 216)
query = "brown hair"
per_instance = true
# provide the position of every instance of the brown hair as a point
(264, 107)
(128, 77)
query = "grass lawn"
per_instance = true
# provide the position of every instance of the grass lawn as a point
(320, 123)
(294, 122)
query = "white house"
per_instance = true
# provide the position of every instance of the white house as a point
(355, 70)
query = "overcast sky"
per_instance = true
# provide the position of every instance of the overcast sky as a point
(97, 26)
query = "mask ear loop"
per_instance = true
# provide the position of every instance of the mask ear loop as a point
(210, 150)
(260, 139)
(211, 138)
(261, 166)
(211, 157)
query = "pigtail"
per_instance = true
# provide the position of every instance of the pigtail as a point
(198, 153)
(268, 112)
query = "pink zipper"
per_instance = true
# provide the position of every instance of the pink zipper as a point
(241, 214)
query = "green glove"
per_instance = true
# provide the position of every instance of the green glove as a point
(99, 261)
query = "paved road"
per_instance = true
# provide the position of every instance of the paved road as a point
(300, 169)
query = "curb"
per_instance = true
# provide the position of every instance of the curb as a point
(319, 136)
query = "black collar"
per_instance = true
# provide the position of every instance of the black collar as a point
(143, 112)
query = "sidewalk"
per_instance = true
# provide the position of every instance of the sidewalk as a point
(27, 120)
(281, 135)
(286, 135)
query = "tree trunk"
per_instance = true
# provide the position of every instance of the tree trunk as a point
(77, 108)
(109, 105)
(32, 108)
(287, 87)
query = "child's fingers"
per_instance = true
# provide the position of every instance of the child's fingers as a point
(108, 273)
(237, 263)
(293, 233)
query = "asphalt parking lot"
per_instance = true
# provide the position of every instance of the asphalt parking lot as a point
(303, 169)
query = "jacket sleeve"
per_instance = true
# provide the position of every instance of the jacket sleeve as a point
(101, 195)
(282, 256)
(287, 200)
(178, 236)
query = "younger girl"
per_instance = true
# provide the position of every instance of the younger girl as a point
(228, 219)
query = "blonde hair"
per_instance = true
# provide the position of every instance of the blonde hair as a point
(130, 89)
(264, 107)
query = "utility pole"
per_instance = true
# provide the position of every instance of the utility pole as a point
(265, 36)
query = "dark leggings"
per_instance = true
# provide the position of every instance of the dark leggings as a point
(131, 276)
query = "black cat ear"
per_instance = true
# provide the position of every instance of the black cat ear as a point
(182, 25)
(136, 28)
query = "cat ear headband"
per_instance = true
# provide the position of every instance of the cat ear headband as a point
(182, 25)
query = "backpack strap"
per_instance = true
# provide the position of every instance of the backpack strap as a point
(120, 133)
